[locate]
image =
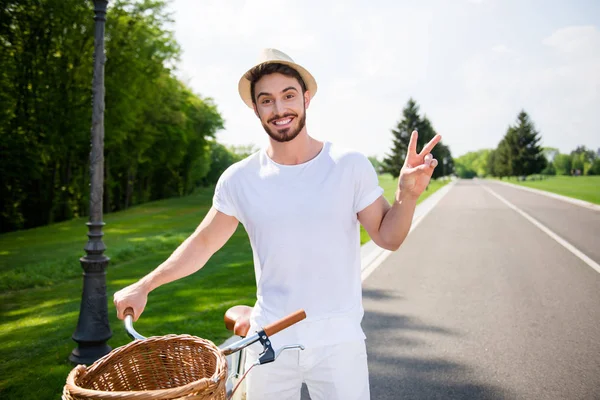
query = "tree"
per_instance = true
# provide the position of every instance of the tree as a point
(595, 168)
(156, 129)
(464, 172)
(582, 159)
(529, 156)
(549, 170)
(221, 159)
(411, 121)
(503, 156)
(562, 164)
(474, 163)
(519, 152)
(491, 163)
(393, 162)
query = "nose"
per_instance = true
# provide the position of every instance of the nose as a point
(278, 107)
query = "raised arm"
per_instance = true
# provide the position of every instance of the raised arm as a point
(388, 225)
(214, 231)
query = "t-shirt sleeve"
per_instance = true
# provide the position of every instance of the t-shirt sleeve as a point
(223, 199)
(367, 188)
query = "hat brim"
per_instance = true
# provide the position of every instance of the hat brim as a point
(309, 81)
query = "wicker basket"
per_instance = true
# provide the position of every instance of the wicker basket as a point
(158, 368)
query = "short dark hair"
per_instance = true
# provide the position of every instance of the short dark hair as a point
(261, 70)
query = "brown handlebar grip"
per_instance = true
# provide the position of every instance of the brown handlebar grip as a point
(128, 311)
(284, 322)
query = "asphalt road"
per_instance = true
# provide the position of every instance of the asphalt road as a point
(578, 225)
(479, 303)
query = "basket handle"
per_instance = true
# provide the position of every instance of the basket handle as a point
(284, 322)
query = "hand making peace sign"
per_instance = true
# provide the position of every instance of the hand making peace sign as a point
(418, 168)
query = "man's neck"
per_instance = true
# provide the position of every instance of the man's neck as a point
(301, 149)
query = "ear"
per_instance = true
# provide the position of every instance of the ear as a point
(306, 99)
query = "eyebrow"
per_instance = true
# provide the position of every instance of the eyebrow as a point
(283, 91)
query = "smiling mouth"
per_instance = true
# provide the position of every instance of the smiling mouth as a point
(282, 122)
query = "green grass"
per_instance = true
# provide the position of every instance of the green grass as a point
(40, 281)
(579, 187)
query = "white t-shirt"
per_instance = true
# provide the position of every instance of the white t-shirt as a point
(304, 232)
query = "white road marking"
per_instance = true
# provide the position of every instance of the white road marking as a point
(547, 231)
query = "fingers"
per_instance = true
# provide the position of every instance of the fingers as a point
(124, 307)
(429, 146)
(124, 310)
(120, 310)
(116, 303)
(429, 161)
(429, 164)
(131, 299)
(412, 145)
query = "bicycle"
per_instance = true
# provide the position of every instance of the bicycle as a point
(176, 366)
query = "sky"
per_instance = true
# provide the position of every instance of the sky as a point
(471, 65)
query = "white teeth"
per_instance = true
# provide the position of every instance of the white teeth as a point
(284, 122)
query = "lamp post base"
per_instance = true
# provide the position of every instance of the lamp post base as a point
(88, 353)
(93, 330)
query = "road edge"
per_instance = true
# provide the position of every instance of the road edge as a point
(546, 193)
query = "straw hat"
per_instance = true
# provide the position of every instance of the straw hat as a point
(270, 56)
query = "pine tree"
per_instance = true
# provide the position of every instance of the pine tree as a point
(393, 162)
(411, 121)
(529, 155)
(519, 152)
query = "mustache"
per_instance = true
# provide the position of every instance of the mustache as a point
(276, 117)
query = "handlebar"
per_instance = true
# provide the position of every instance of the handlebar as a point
(269, 330)
(284, 322)
(128, 320)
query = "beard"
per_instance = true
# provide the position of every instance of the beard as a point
(285, 134)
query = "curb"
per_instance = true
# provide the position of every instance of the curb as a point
(556, 196)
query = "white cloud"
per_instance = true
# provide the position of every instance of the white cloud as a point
(575, 40)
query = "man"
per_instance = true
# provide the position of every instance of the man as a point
(301, 201)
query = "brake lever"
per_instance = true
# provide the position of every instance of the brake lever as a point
(288, 347)
(269, 355)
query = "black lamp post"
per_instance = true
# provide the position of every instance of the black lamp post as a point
(93, 330)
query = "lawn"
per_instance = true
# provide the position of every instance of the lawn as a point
(580, 187)
(40, 280)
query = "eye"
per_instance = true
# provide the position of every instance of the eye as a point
(289, 96)
(265, 101)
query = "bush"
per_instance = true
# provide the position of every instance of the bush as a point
(595, 168)
(549, 170)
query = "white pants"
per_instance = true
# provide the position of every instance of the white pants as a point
(330, 373)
